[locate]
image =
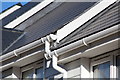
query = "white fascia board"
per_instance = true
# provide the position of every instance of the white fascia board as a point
(28, 14)
(67, 29)
(9, 11)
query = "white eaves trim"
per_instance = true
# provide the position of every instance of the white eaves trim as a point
(9, 11)
(67, 29)
(28, 14)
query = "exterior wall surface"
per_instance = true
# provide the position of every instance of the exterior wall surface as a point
(79, 68)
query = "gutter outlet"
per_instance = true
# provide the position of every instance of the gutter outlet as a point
(47, 41)
(47, 48)
(15, 53)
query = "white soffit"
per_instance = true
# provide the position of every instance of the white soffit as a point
(67, 29)
(28, 14)
(9, 11)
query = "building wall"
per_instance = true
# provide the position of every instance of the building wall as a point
(79, 68)
(83, 67)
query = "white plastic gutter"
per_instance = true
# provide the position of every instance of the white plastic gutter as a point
(28, 14)
(93, 50)
(67, 29)
(21, 50)
(9, 11)
(23, 58)
(27, 47)
(87, 40)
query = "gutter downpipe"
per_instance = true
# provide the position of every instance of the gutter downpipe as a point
(56, 67)
(54, 56)
(86, 40)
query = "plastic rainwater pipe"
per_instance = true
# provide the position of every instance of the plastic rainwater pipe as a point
(54, 57)
(58, 68)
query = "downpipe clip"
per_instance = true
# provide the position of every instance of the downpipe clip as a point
(83, 40)
(15, 53)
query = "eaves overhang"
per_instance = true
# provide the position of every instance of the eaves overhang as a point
(39, 42)
(61, 33)
(110, 45)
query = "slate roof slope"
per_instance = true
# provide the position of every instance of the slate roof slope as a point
(18, 12)
(53, 21)
(106, 19)
(9, 36)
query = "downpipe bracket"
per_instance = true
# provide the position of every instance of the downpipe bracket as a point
(83, 40)
(15, 53)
